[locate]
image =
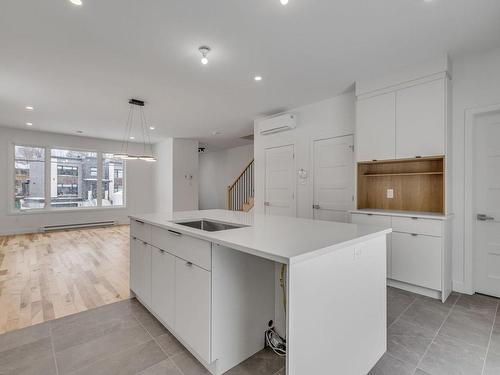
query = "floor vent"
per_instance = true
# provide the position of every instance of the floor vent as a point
(48, 228)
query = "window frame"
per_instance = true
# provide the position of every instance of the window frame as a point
(47, 183)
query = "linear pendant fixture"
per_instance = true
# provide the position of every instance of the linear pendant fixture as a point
(136, 105)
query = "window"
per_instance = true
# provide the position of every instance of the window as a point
(73, 185)
(112, 181)
(29, 181)
(73, 179)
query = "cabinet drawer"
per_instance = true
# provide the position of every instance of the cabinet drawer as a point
(416, 259)
(379, 221)
(418, 226)
(192, 306)
(140, 230)
(188, 248)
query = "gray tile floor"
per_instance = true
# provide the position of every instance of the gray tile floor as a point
(425, 337)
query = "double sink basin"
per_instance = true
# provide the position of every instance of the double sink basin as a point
(209, 225)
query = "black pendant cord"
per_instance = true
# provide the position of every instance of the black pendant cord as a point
(143, 128)
(130, 126)
(147, 134)
(125, 142)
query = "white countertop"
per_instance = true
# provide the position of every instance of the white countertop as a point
(281, 239)
(423, 215)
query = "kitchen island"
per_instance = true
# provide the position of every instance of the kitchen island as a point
(210, 277)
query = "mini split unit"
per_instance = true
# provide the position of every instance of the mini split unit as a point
(278, 124)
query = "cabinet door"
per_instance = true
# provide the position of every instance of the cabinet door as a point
(163, 285)
(376, 128)
(379, 221)
(416, 259)
(420, 120)
(192, 306)
(140, 270)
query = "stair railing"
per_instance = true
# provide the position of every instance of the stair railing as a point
(239, 192)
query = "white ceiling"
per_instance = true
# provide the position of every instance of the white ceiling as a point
(78, 66)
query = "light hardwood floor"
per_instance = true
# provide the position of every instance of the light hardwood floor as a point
(45, 276)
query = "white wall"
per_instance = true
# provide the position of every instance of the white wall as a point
(476, 83)
(176, 175)
(333, 117)
(139, 183)
(219, 169)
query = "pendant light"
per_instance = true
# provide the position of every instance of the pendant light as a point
(136, 105)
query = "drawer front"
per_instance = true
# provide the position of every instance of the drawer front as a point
(418, 226)
(197, 251)
(192, 306)
(416, 259)
(380, 221)
(140, 230)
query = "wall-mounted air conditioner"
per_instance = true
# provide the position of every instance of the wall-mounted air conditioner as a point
(278, 124)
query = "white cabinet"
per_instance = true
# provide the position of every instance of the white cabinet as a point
(379, 221)
(140, 269)
(421, 119)
(418, 251)
(416, 259)
(376, 128)
(163, 285)
(192, 306)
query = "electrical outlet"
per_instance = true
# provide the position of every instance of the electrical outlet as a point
(390, 193)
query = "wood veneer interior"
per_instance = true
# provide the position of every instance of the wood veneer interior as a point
(418, 184)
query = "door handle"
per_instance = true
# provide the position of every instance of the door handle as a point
(267, 204)
(316, 206)
(174, 232)
(484, 217)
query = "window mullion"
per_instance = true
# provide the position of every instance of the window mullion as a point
(48, 178)
(99, 179)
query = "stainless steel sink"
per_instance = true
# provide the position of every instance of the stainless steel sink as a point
(208, 225)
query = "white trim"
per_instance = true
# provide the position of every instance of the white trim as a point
(469, 220)
(436, 294)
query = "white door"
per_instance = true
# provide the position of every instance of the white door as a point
(280, 181)
(420, 120)
(163, 285)
(333, 181)
(487, 203)
(140, 270)
(376, 128)
(192, 306)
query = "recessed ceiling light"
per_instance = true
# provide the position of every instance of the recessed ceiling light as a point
(204, 50)
(284, 2)
(131, 137)
(29, 124)
(258, 78)
(428, 1)
(29, 108)
(76, 2)
(152, 128)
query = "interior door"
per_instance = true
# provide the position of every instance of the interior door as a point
(487, 203)
(280, 181)
(333, 178)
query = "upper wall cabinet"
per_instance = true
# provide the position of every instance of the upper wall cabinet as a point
(376, 127)
(421, 120)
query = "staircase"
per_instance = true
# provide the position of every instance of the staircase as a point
(241, 192)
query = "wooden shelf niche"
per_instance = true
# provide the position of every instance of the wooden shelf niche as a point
(418, 184)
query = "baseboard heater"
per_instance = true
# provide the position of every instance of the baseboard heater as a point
(48, 228)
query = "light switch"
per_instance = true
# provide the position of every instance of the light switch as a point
(390, 193)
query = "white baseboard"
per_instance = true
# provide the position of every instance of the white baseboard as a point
(414, 289)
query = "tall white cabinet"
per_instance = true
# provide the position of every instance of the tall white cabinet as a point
(400, 118)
